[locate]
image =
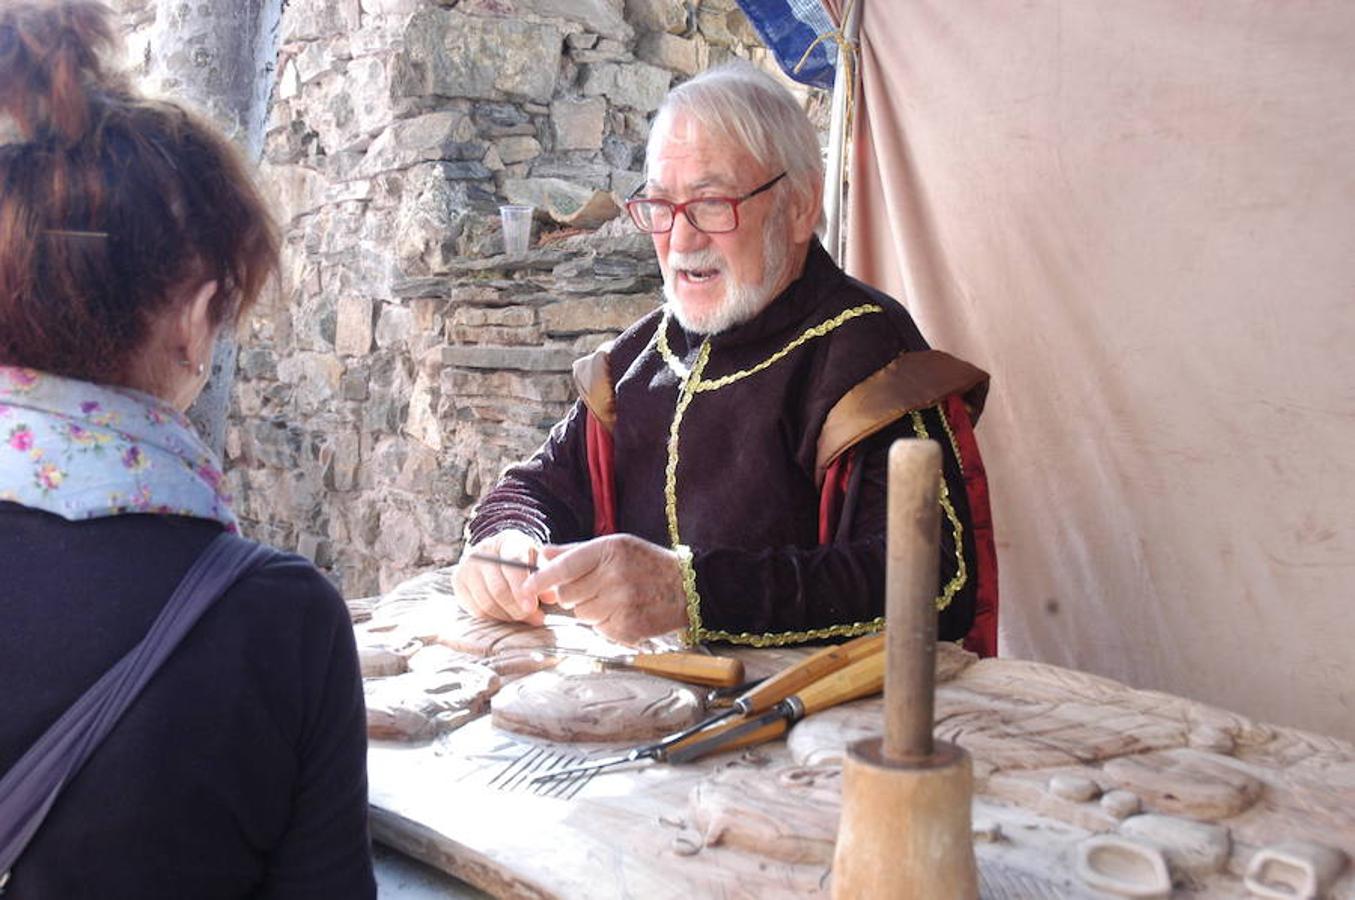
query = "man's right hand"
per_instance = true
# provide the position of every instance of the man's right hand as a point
(489, 590)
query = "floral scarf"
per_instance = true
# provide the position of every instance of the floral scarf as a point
(84, 451)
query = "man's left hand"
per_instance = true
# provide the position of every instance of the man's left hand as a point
(622, 585)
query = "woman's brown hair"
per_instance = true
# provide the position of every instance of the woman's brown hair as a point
(110, 203)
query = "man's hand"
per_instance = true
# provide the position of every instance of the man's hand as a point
(622, 585)
(491, 591)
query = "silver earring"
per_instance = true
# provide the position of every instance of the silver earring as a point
(186, 362)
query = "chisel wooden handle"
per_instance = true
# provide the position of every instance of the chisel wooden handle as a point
(711, 739)
(825, 662)
(693, 668)
(862, 678)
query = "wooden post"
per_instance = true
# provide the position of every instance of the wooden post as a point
(910, 594)
(905, 831)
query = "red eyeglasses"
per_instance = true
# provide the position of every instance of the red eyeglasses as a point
(712, 215)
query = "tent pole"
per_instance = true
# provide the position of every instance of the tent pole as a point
(835, 171)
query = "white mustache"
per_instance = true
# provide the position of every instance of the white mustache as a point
(709, 258)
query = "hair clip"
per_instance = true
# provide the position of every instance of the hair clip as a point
(61, 232)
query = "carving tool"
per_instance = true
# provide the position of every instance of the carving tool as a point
(510, 563)
(693, 668)
(860, 679)
(760, 698)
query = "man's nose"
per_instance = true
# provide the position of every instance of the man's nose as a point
(685, 236)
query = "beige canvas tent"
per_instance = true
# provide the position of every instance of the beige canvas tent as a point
(1141, 219)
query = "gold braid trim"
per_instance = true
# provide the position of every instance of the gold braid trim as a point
(957, 531)
(715, 384)
(692, 637)
(692, 384)
(684, 553)
(777, 639)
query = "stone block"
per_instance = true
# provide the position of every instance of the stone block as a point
(585, 344)
(353, 333)
(294, 190)
(498, 119)
(421, 421)
(398, 538)
(582, 172)
(432, 212)
(316, 548)
(618, 152)
(636, 85)
(581, 40)
(563, 201)
(395, 326)
(390, 7)
(604, 17)
(517, 148)
(257, 362)
(353, 385)
(445, 135)
(314, 378)
(312, 20)
(658, 15)
(493, 334)
(450, 54)
(428, 314)
(339, 456)
(383, 464)
(578, 123)
(625, 183)
(522, 359)
(583, 314)
(602, 52)
(742, 29)
(507, 317)
(537, 387)
(670, 52)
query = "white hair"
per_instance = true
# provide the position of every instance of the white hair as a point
(745, 105)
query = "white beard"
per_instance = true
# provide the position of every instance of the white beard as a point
(741, 301)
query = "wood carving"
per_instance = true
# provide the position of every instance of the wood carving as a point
(1060, 758)
(612, 706)
(763, 812)
(1185, 782)
(421, 705)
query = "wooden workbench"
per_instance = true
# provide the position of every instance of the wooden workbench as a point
(1059, 757)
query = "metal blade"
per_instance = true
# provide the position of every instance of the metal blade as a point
(715, 742)
(598, 765)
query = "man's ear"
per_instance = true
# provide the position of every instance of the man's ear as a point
(805, 209)
(196, 332)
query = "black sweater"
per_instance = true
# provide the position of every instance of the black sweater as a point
(241, 769)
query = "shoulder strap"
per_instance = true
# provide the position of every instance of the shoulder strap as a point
(29, 789)
(912, 380)
(593, 378)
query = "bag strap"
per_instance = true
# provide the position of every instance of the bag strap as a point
(29, 789)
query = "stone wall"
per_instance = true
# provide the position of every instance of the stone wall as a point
(403, 360)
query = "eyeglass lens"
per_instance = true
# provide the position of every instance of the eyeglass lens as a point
(711, 216)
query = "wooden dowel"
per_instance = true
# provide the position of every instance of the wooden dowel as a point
(910, 599)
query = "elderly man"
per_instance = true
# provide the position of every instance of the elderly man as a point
(723, 473)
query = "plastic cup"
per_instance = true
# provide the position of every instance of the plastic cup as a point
(517, 228)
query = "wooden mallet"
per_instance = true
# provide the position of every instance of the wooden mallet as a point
(905, 831)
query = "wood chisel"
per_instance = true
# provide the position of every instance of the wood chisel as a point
(760, 698)
(693, 668)
(862, 678)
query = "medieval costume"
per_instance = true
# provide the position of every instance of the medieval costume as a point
(760, 455)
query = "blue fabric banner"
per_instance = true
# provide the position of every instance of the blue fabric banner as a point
(787, 28)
